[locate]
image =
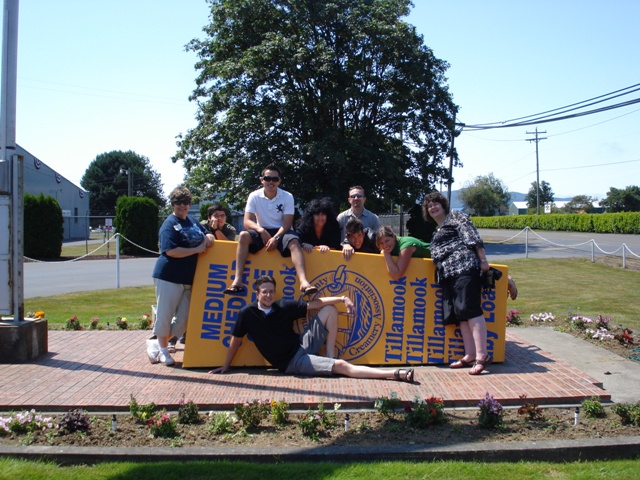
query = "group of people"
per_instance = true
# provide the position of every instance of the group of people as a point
(456, 249)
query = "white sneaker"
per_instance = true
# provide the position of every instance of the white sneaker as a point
(152, 350)
(164, 357)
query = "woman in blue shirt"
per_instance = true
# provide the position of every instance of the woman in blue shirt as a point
(182, 238)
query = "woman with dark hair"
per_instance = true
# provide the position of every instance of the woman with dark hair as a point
(318, 227)
(458, 253)
(404, 248)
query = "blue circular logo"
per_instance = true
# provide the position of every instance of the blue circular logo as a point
(359, 331)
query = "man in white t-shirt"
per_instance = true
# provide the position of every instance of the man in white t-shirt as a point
(268, 218)
(356, 200)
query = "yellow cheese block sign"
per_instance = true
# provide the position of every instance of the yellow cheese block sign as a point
(395, 322)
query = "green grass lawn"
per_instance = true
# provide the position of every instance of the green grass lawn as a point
(585, 470)
(544, 285)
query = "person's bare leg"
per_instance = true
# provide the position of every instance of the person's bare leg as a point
(328, 315)
(347, 369)
(242, 252)
(297, 258)
(478, 328)
(468, 341)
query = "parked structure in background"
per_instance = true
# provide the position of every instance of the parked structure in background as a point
(39, 178)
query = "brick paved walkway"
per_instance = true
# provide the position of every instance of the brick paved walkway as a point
(100, 370)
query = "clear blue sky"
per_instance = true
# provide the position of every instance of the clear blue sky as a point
(102, 75)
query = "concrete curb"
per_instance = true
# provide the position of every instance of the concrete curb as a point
(548, 451)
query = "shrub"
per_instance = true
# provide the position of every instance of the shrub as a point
(387, 406)
(144, 322)
(188, 412)
(513, 318)
(530, 409)
(421, 414)
(163, 426)
(25, 422)
(310, 424)
(74, 421)
(121, 323)
(94, 323)
(251, 414)
(43, 227)
(219, 423)
(593, 408)
(137, 220)
(491, 412)
(629, 413)
(279, 412)
(72, 324)
(141, 413)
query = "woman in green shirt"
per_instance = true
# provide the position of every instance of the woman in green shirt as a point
(403, 247)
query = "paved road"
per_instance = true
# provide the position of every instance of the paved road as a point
(54, 278)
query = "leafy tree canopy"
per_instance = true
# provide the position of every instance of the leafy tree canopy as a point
(486, 196)
(105, 182)
(546, 194)
(579, 204)
(334, 92)
(622, 200)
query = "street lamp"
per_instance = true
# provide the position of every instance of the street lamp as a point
(129, 174)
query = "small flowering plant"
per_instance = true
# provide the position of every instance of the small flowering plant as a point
(599, 334)
(144, 322)
(251, 414)
(279, 412)
(603, 322)
(626, 337)
(310, 424)
(94, 323)
(513, 318)
(491, 412)
(121, 323)
(387, 406)
(72, 324)
(542, 317)
(422, 413)
(163, 426)
(25, 422)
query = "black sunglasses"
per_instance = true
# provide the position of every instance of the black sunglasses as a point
(181, 202)
(356, 195)
(271, 179)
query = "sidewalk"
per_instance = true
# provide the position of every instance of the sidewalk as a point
(100, 370)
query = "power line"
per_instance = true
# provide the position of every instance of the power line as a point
(543, 117)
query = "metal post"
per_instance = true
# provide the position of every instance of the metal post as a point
(117, 260)
(526, 242)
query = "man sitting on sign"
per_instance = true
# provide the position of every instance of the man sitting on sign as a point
(269, 322)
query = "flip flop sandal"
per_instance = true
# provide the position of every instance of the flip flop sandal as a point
(482, 363)
(407, 377)
(235, 290)
(462, 363)
(310, 291)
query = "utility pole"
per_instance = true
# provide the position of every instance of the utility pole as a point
(537, 139)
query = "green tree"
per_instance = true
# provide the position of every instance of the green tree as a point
(619, 200)
(579, 204)
(43, 226)
(546, 195)
(105, 182)
(335, 92)
(486, 196)
(137, 220)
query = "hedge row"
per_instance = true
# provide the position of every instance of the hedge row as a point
(626, 222)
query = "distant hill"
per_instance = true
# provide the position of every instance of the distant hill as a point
(457, 204)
